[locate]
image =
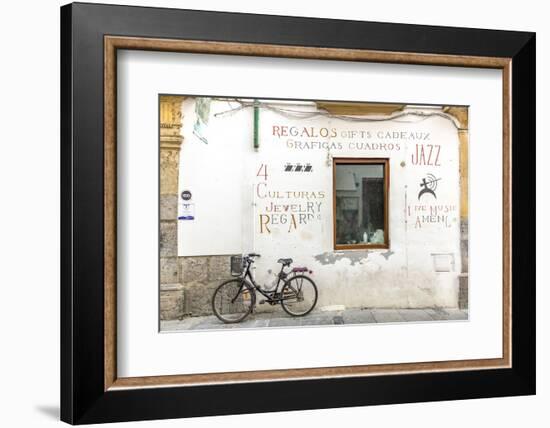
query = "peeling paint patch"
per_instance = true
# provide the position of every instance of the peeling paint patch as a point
(355, 257)
(387, 254)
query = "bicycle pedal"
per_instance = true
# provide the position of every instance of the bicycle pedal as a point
(261, 302)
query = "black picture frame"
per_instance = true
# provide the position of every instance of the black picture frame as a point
(83, 396)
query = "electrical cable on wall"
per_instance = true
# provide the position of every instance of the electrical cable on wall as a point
(297, 114)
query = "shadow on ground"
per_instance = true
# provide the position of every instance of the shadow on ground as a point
(49, 410)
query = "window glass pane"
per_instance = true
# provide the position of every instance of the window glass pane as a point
(359, 204)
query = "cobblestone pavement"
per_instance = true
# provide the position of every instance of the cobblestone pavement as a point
(319, 317)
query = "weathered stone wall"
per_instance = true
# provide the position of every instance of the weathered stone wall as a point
(461, 115)
(171, 290)
(171, 302)
(200, 276)
(463, 279)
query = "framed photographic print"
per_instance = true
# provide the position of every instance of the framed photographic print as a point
(317, 210)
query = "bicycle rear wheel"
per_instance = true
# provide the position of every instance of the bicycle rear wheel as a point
(299, 296)
(233, 301)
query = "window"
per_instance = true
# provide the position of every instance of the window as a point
(360, 193)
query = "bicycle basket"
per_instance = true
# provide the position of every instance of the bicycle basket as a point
(237, 265)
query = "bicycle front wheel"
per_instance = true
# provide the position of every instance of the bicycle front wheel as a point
(233, 301)
(299, 296)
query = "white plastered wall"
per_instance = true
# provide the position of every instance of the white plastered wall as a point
(236, 189)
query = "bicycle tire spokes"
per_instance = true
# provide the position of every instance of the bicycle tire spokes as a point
(232, 301)
(299, 296)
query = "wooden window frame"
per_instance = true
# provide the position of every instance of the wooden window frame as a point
(357, 161)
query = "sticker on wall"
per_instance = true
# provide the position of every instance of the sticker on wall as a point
(428, 186)
(186, 195)
(298, 167)
(187, 211)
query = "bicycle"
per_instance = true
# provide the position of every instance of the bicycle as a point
(235, 299)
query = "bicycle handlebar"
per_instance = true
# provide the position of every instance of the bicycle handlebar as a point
(254, 255)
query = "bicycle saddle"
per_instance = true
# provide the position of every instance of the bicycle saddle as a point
(286, 262)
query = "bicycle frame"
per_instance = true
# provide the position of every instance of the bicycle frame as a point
(270, 295)
(248, 290)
